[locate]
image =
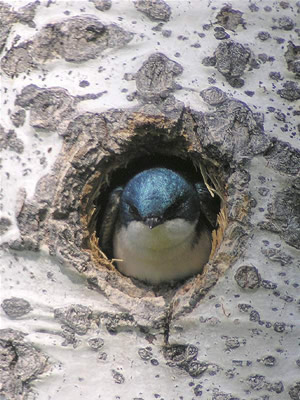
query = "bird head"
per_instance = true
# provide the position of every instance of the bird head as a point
(157, 195)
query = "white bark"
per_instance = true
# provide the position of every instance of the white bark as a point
(115, 342)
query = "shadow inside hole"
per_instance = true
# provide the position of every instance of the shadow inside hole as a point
(122, 175)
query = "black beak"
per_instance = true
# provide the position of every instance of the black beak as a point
(152, 222)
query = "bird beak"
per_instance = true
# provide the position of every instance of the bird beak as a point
(152, 222)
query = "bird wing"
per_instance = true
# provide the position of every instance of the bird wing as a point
(109, 221)
(210, 206)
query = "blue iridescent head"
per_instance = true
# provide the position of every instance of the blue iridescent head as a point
(156, 195)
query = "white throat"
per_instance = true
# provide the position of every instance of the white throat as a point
(167, 252)
(163, 236)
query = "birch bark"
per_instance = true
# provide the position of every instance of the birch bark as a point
(88, 86)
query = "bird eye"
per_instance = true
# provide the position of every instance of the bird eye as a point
(134, 212)
(172, 211)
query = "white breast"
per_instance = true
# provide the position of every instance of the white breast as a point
(164, 253)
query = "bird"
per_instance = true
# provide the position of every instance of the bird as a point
(158, 226)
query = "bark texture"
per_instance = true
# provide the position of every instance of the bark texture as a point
(90, 91)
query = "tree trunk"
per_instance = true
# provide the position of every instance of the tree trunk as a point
(94, 90)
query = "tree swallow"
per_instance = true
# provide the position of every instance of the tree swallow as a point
(158, 226)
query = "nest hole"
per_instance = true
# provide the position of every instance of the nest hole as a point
(121, 176)
(118, 173)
